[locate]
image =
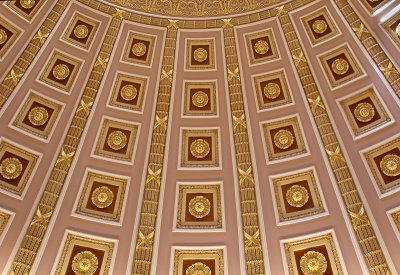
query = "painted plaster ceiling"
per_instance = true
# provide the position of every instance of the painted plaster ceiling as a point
(196, 137)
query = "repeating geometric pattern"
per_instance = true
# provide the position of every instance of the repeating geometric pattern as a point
(237, 144)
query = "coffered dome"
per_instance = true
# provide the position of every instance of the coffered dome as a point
(197, 137)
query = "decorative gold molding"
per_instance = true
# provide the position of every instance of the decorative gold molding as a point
(7, 86)
(372, 46)
(366, 236)
(192, 8)
(36, 231)
(148, 216)
(249, 212)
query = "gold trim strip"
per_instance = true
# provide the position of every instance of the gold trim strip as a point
(37, 229)
(372, 46)
(253, 247)
(7, 86)
(148, 216)
(369, 244)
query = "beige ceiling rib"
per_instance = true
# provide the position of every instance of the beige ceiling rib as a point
(148, 216)
(366, 236)
(37, 229)
(26, 58)
(253, 247)
(376, 52)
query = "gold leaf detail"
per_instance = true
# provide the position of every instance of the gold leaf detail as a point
(252, 240)
(239, 121)
(359, 218)
(40, 218)
(316, 103)
(145, 241)
(173, 24)
(101, 62)
(65, 157)
(42, 37)
(166, 75)
(161, 122)
(245, 175)
(14, 77)
(227, 23)
(154, 176)
(233, 74)
(333, 155)
(84, 107)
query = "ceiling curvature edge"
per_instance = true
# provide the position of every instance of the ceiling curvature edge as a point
(204, 9)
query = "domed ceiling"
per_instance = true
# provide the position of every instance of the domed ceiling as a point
(195, 137)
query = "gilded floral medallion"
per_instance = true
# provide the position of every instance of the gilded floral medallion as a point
(272, 90)
(199, 207)
(200, 99)
(313, 263)
(340, 66)
(200, 55)
(10, 168)
(117, 140)
(297, 196)
(81, 31)
(129, 92)
(85, 263)
(283, 139)
(102, 197)
(319, 26)
(261, 47)
(61, 71)
(364, 112)
(398, 29)
(390, 165)
(27, 4)
(38, 116)
(200, 148)
(3, 37)
(198, 269)
(139, 49)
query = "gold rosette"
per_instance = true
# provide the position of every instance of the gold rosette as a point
(340, 66)
(61, 71)
(390, 165)
(200, 148)
(102, 197)
(27, 4)
(313, 263)
(200, 99)
(297, 196)
(319, 26)
(139, 49)
(272, 90)
(85, 263)
(117, 140)
(283, 139)
(81, 31)
(10, 168)
(129, 92)
(364, 112)
(199, 207)
(38, 116)
(3, 37)
(198, 269)
(200, 55)
(398, 29)
(261, 47)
